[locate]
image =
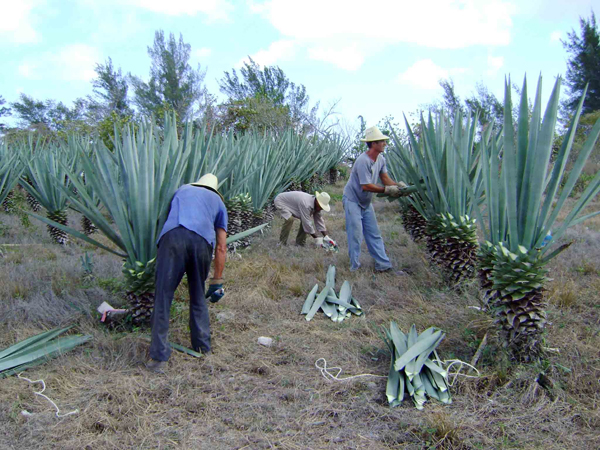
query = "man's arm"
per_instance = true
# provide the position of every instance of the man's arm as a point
(386, 180)
(373, 188)
(220, 253)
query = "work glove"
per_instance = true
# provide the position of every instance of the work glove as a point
(215, 290)
(392, 191)
(402, 185)
(319, 242)
(330, 241)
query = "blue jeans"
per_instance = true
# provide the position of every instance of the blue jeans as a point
(361, 222)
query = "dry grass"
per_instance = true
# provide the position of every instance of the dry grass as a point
(248, 396)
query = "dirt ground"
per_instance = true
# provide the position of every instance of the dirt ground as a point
(248, 396)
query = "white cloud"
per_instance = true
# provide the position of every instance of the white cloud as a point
(279, 50)
(74, 62)
(348, 58)
(16, 21)
(213, 9)
(555, 36)
(495, 63)
(425, 74)
(445, 24)
(203, 52)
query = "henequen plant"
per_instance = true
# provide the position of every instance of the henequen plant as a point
(522, 205)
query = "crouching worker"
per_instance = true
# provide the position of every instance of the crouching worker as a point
(307, 208)
(197, 221)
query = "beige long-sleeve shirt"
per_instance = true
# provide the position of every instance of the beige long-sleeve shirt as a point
(301, 206)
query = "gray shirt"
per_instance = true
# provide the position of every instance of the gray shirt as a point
(301, 206)
(364, 171)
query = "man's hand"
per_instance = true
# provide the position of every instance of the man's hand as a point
(330, 241)
(319, 242)
(392, 191)
(215, 290)
(402, 185)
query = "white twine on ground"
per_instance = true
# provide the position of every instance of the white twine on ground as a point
(40, 393)
(329, 376)
(325, 371)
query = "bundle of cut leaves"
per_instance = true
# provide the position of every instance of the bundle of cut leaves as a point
(412, 371)
(37, 350)
(336, 307)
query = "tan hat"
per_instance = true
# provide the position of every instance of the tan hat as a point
(209, 181)
(323, 200)
(373, 134)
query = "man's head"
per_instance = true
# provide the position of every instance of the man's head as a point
(322, 201)
(209, 181)
(375, 139)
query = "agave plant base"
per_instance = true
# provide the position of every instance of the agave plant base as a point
(452, 244)
(8, 205)
(141, 307)
(33, 203)
(87, 226)
(517, 300)
(414, 223)
(58, 236)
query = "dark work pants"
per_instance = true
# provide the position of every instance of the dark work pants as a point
(181, 251)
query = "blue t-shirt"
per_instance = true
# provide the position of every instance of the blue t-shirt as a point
(199, 210)
(364, 171)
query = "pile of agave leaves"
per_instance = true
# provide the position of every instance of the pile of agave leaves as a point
(412, 371)
(336, 307)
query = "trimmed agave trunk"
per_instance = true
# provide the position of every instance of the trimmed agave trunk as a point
(414, 223)
(140, 290)
(246, 216)
(234, 215)
(295, 185)
(486, 266)
(58, 236)
(333, 175)
(87, 226)
(452, 244)
(8, 205)
(33, 203)
(517, 300)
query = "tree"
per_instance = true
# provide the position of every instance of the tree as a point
(271, 89)
(490, 109)
(583, 66)
(173, 84)
(110, 89)
(4, 111)
(49, 117)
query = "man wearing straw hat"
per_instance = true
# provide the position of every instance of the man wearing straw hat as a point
(300, 205)
(197, 221)
(367, 170)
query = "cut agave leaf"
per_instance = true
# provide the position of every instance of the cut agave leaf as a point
(310, 299)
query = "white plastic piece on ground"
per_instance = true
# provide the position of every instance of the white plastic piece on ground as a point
(266, 341)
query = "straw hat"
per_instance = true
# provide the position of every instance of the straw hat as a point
(373, 134)
(323, 200)
(209, 181)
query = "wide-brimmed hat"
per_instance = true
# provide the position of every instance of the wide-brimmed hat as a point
(373, 134)
(323, 200)
(209, 181)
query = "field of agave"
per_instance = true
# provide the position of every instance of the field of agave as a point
(491, 208)
(125, 193)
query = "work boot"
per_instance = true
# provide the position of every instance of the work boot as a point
(156, 366)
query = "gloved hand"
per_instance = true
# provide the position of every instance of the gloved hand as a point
(402, 185)
(215, 290)
(392, 191)
(330, 241)
(319, 242)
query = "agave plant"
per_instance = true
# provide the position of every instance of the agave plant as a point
(523, 201)
(48, 172)
(10, 170)
(444, 169)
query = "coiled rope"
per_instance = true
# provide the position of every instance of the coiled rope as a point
(41, 394)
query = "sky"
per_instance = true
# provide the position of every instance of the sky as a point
(371, 58)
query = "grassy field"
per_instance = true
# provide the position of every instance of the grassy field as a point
(248, 396)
